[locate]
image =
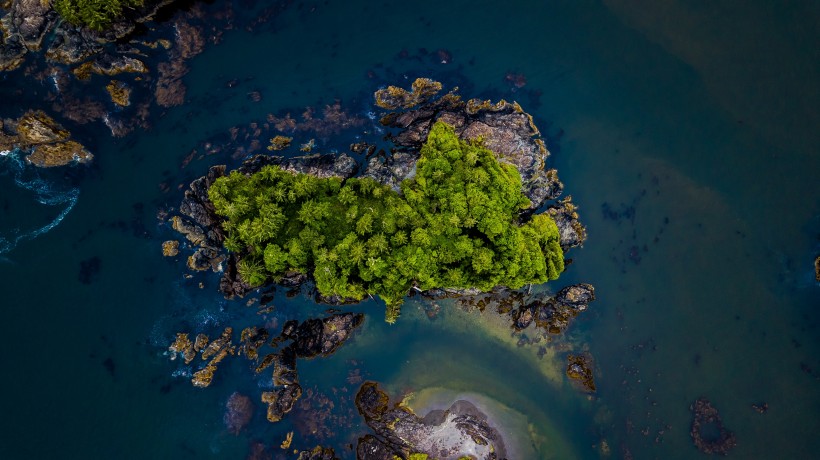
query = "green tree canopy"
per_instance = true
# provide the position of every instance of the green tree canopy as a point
(456, 224)
(94, 14)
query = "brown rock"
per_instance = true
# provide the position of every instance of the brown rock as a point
(579, 368)
(170, 248)
(393, 97)
(183, 346)
(279, 143)
(120, 93)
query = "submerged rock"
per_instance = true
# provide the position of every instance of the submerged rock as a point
(238, 412)
(461, 430)
(707, 419)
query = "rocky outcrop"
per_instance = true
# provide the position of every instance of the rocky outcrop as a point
(707, 431)
(459, 431)
(579, 369)
(49, 143)
(24, 27)
(503, 127)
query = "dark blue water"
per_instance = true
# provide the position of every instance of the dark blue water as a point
(685, 131)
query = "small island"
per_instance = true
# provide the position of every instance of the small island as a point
(455, 225)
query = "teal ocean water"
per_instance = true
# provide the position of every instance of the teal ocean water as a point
(686, 132)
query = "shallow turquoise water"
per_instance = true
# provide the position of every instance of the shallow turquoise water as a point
(699, 120)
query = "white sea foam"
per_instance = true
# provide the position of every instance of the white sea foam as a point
(46, 193)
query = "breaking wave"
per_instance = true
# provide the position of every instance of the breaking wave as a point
(46, 193)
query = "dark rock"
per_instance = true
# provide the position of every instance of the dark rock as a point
(315, 337)
(280, 401)
(30, 21)
(319, 165)
(371, 448)
(318, 453)
(555, 314)
(504, 127)
(231, 284)
(579, 368)
(284, 369)
(238, 412)
(461, 429)
(522, 317)
(70, 46)
(565, 216)
(705, 414)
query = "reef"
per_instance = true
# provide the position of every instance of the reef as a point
(49, 143)
(707, 420)
(238, 413)
(308, 339)
(461, 430)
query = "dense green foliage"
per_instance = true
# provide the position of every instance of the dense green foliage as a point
(94, 14)
(455, 225)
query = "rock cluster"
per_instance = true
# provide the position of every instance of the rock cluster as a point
(550, 313)
(460, 430)
(50, 144)
(311, 338)
(704, 415)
